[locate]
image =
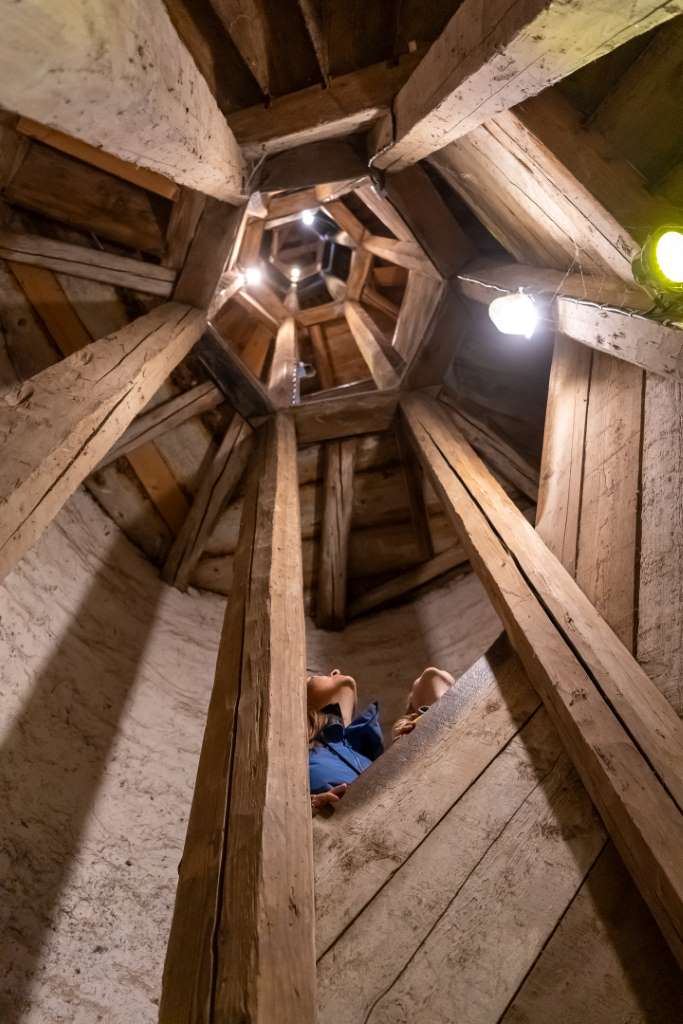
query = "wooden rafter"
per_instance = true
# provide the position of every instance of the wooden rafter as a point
(320, 314)
(421, 301)
(342, 416)
(242, 934)
(177, 131)
(488, 60)
(321, 356)
(406, 582)
(404, 254)
(314, 15)
(361, 264)
(414, 477)
(241, 387)
(283, 368)
(218, 233)
(66, 418)
(372, 344)
(334, 533)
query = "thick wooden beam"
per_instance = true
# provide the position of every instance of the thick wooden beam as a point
(374, 298)
(488, 60)
(66, 419)
(403, 253)
(611, 718)
(401, 586)
(168, 122)
(338, 472)
(320, 314)
(361, 262)
(241, 387)
(421, 300)
(241, 944)
(182, 226)
(321, 356)
(371, 342)
(313, 164)
(329, 418)
(386, 212)
(164, 417)
(219, 480)
(316, 26)
(283, 369)
(93, 264)
(346, 220)
(218, 233)
(350, 104)
(414, 478)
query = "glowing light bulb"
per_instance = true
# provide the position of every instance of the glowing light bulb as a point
(253, 275)
(308, 216)
(515, 314)
(294, 273)
(669, 255)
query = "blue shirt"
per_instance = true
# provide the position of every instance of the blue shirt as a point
(341, 753)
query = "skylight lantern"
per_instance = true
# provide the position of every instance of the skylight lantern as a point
(308, 216)
(253, 275)
(515, 314)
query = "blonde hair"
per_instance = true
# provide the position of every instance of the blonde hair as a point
(317, 720)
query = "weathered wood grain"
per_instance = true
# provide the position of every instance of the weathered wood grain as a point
(338, 478)
(371, 342)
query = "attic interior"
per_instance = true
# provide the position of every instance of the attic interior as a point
(259, 419)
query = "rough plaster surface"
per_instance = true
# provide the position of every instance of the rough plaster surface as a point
(106, 678)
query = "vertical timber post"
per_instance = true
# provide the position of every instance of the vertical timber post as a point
(242, 940)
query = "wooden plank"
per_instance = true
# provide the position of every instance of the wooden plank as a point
(349, 104)
(321, 356)
(635, 339)
(484, 281)
(486, 62)
(607, 542)
(164, 417)
(316, 26)
(660, 586)
(436, 229)
(261, 299)
(182, 226)
(620, 779)
(290, 204)
(414, 478)
(407, 582)
(243, 921)
(498, 454)
(218, 231)
(320, 314)
(374, 298)
(83, 197)
(361, 262)
(405, 254)
(160, 484)
(218, 482)
(347, 221)
(140, 176)
(169, 124)
(371, 342)
(334, 534)
(421, 300)
(283, 368)
(385, 211)
(45, 294)
(312, 164)
(93, 264)
(344, 417)
(255, 350)
(70, 414)
(242, 389)
(390, 277)
(244, 22)
(380, 823)
(250, 249)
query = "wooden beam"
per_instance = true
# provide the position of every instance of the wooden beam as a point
(244, 23)
(317, 27)
(290, 204)
(374, 298)
(385, 211)
(250, 249)
(241, 943)
(486, 62)
(329, 418)
(218, 232)
(334, 533)
(262, 298)
(361, 262)
(243, 390)
(347, 221)
(349, 104)
(68, 416)
(218, 482)
(313, 164)
(283, 369)
(254, 351)
(635, 339)
(80, 261)
(403, 254)
(421, 300)
(182, 226)
(140, 176)
(371, 342)
(320, 314)
(168, 123)
(414, 478)
(321, 356)
(164, 417)
(609, 715)
(47, 297)
(484, 281)
(404, 584)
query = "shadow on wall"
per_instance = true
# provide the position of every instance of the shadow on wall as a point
(52, 762)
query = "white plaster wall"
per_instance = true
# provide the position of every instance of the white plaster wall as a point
(106, 675)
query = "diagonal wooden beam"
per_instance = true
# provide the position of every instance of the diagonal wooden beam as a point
(315, 19)
(371, 343)
(624, 738)
(218, 482)
(217, 236)
(241, 943)
(385, 211)
(346, 220)
(241, 387)
(168, 123)
(414, 478)
(404, 584)
(283, 369)
(361, 264)
(421, 300)
(488, 60)
(334, 533)
(321, 356)
(374, 298)
(67, 417)
(402, 253)
(320, 314)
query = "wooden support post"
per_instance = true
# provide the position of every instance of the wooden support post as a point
(281, 382)
(64, 420)
(361, 262)
(403, 253)
(421, 301)
(218, 482)
(371, 343)
(167, 121)
(404, 584)
(241, 944)
(610, 716)
(414, 477)
(321, 356)
(242, 389)
(340, 459)
(217, 234)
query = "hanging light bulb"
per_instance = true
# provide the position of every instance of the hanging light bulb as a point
(253, 275)
(308, 216)
(294, 274)
(515, 314)
(658, 267)
(669, 255)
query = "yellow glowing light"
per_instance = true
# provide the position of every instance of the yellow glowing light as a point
(669, 256)
(515, 314)
(253, 275)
